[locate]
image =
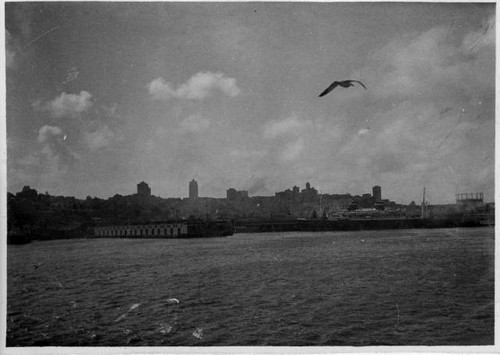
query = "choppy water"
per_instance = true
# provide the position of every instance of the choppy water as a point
(405, 287)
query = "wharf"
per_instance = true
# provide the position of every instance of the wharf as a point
(311, 225)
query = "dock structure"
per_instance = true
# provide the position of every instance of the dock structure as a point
(165, 230)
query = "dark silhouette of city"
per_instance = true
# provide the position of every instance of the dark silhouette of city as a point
(43, 216)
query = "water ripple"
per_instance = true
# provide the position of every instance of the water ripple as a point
(418, 287)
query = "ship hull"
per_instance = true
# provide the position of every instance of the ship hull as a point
(351, 225)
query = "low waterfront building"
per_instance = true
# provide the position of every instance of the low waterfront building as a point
(164, 229)
(172, 230)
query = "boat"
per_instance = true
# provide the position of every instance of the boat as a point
(346, 222)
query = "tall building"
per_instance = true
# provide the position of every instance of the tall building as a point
(235, 195)
(143, 190)
(309, 194)
(377, 193)
(193, 190)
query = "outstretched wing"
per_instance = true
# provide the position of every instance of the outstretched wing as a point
(330, 88)
(359, 82)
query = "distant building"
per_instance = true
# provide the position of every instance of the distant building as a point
(143, 190)
(27, 193)
(377, 193)
(289, 195)
(470, 201)
(309, 193)
(234, 195)
(193, 190)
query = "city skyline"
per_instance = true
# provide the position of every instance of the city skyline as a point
(145, 192)
(101, 96)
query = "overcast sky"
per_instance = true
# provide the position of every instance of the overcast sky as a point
(101, 96)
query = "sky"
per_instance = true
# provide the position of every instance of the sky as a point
(102, 96)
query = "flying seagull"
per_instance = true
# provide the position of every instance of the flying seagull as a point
(344, 84)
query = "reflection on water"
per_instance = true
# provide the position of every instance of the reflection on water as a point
(406, 287)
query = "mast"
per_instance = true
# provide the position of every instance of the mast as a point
(422, 214)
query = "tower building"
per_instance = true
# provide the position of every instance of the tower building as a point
(377, 193)
(193, 190)
(143, 190)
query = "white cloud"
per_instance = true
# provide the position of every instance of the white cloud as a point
(47, 131)
(363, 131)
(482, 38)
(431, 65)
(198, 87)
(66, 105)
(161, 90)
(293, 150)
(51, 162)
(288, 126)
(101, 137)
(194, 124)
(410, 65)
(431, 103)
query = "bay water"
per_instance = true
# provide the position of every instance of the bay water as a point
(397, 287)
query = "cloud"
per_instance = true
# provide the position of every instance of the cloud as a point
(288, 126)
(194, 124)
(430, 65)
(64, 105)
(94, 133)
(293, 150)
(45, 132)
(483, 37)
(431, 113)
(198, 87)
(288, 136)
(110, 110)
(50, 163)
(101, 137)
(363, 131)
(409, 142)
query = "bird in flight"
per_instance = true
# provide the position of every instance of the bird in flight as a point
(344, 84)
